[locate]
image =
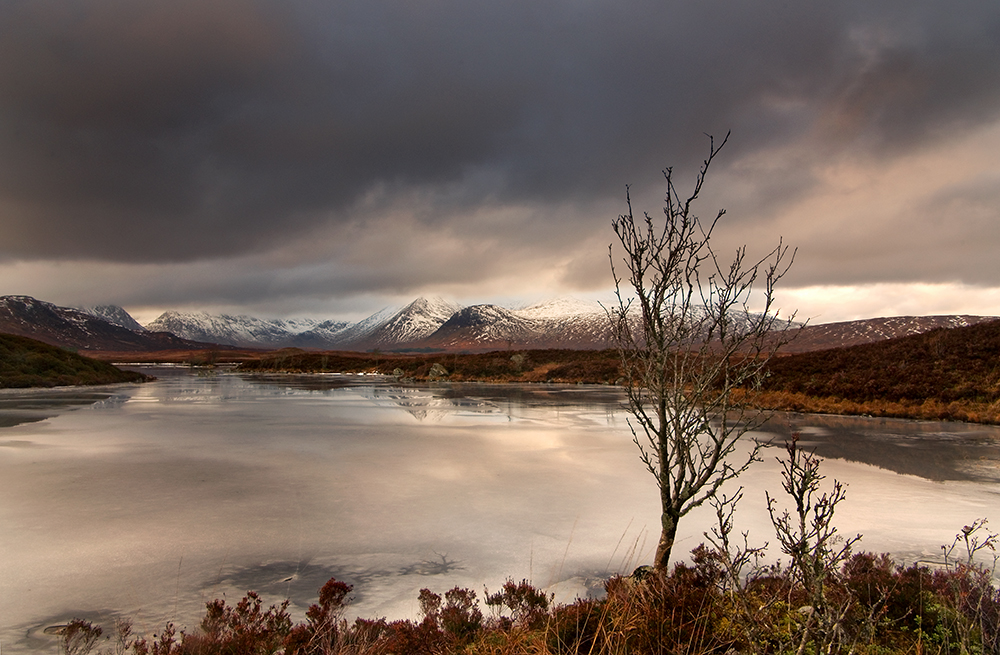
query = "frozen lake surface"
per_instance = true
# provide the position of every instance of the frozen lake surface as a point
(148, 501)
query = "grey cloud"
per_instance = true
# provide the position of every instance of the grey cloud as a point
(932, 69)
(170, 131)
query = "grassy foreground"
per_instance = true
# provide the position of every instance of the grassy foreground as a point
(26, 363)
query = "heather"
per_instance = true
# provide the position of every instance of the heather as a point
(946, 374)
(948, 365)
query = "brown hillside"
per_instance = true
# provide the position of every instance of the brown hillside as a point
(853, 333)
(945, 373)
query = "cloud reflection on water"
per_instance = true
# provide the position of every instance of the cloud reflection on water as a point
(158, 498)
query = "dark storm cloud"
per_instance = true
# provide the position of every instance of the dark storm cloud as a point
(168, 131)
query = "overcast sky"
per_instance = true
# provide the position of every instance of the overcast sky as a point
(307, 157)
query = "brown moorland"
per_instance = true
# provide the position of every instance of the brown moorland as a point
(951, 374)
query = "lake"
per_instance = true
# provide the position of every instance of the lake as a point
(148, 501)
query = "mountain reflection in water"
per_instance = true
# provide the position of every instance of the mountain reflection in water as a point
(147, 501)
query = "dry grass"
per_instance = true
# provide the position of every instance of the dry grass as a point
(926, 409)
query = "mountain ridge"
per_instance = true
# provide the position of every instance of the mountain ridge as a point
(75, 329)
(241, 331)
(425, 324)
(843, 334)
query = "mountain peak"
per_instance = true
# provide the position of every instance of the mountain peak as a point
(115, 315)
(416, 321)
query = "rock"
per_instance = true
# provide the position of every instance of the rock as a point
(437, 372)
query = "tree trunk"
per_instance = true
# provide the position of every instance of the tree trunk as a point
(668, 533)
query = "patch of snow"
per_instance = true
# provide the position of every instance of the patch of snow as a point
(562, 307)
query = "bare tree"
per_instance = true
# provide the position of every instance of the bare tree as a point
(690, 347)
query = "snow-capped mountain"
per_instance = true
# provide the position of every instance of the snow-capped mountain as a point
(563, 308)
(115, 315)
(358, 336)
(562, 323)
(387, 329)
(418, 320)
(320, 336)
(569, 320)
(72, 328)
(424, 324)
(241, 331)
(484, 327)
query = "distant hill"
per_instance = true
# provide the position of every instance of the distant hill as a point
(852, 333)
(27, 362)
(946, 373)
(72, 328)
